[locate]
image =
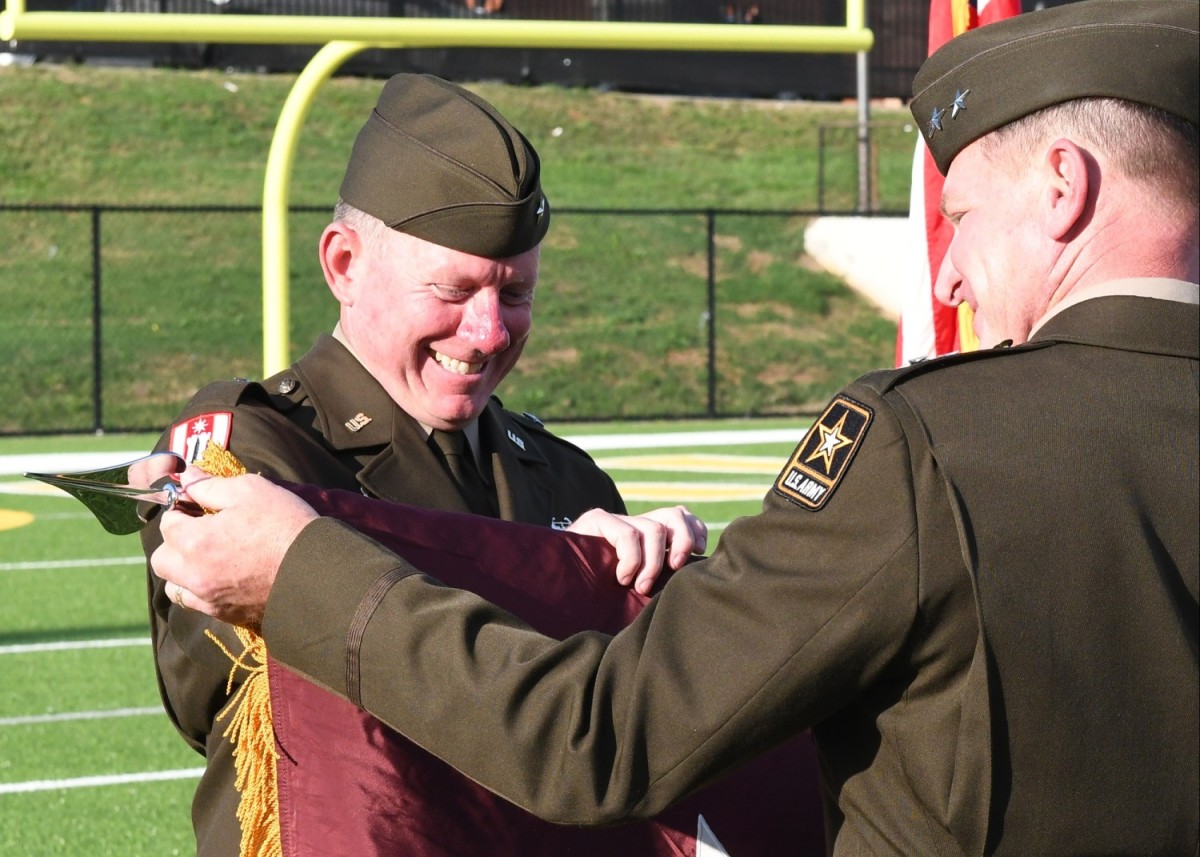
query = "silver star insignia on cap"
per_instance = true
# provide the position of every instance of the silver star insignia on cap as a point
(960, 97)
(935, 120)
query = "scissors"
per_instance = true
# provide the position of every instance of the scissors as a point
(115, 494)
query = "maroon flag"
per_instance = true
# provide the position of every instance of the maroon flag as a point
(349, 785)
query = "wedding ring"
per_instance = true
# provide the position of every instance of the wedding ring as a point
(179, 597)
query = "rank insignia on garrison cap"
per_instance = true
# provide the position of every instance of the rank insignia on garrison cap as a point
(823, 457)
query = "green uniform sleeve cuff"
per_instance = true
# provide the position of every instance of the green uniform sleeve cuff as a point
(326, 575)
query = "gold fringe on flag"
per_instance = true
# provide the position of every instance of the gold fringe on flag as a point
(254, 755)
(250, 728)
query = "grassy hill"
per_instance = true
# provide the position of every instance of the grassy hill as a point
(91, 134)
(622, 308)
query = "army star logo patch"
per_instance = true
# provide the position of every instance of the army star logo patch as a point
(822, 458)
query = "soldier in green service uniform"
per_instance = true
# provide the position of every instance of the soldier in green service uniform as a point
(975, 578)
(433, 257)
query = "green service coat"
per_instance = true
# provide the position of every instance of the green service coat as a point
(984, 603)
(307, 425)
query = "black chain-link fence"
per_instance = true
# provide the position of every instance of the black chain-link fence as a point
(114, 316)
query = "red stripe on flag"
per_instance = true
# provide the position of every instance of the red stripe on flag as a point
(938, 233)
(928, 328)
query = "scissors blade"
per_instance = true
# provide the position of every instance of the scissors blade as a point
(112, 494)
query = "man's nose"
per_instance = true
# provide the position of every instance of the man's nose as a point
(948, 283)
(483, 324)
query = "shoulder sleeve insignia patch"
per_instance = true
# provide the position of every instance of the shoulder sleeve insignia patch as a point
(823, 457)
(188, 438)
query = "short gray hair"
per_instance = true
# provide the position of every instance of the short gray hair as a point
(1145, 143)
(369, 228)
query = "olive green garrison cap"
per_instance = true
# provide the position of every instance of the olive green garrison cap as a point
(1143, 51)
(436, 161)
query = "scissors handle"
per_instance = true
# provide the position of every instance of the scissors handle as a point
(175, 502)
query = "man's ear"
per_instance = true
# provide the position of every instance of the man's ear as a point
(1068, 189)
(341, 253)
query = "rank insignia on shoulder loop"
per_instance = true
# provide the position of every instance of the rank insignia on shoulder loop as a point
(822, 458)
(188, 438)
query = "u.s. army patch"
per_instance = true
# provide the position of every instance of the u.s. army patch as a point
(822, 458)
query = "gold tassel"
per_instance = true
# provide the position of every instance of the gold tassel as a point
(250, 728)
(254, 755)
(218, 461)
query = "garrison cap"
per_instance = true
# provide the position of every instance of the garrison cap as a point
(1143, 51)
(438, 162)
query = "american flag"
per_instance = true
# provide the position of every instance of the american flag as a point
(928, 328)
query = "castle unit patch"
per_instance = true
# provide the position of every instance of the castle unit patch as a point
(188, 438)
(822, 458)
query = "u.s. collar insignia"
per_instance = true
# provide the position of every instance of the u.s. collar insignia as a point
(356, 422)
(823, 457)
(516, 439)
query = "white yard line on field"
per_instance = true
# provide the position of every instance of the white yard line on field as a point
(692, 462)
(690, 492)
(684, 439)
(42, 565)
(91, 782)
(68, 716)
(73, 645)
(65, 462)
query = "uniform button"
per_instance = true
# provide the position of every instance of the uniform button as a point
(287, 385)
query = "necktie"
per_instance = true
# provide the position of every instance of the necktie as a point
(461, 464)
